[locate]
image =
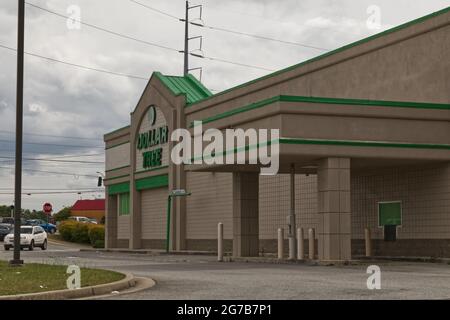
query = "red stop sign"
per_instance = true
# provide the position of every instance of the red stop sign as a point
(48, 208)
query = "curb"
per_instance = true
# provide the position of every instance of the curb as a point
(128, 282)
(71, 245)
(325, 263)
(152, 252)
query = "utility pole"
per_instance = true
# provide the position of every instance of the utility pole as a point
(186, 52)
(186, 41)
(19, 133)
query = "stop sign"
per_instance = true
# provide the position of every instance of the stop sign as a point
(48, 208)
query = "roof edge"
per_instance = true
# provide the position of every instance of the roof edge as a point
(325, 100)
(330, 53)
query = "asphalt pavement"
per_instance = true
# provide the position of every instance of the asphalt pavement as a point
(202, 277)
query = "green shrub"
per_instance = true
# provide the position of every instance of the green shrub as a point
(81, 233)
(96, 233)
(99, 244)
(66, 229)
(74, 231)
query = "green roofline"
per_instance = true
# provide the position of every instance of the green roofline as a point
(321, 100)
(327, 54)
(188, 86)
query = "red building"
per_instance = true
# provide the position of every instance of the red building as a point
(94, 209)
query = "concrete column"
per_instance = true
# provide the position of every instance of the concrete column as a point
(111, 221)
(135, 217)
(334, 233)
(300, 244)
(220, 242)
(280, 243)
(245, 214)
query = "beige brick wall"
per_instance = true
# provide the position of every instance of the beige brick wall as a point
(209, 204)
(274, 203)
(123, 227)
(154, 213)
(425, 196)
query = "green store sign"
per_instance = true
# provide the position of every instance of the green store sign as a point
(154, 138)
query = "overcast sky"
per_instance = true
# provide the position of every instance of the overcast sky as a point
(62, 101)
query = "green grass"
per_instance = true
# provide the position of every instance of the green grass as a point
(33, 278)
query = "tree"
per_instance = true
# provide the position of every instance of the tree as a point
(5, 211)
(62, 214)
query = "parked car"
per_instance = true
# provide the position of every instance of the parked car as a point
(81, 219)
(10, 221)
(48, 227)
(94, 221)
(4, 230)
(30, 237)
(7, 220)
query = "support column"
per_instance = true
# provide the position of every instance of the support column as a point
(245, 214)
(111, 221)
(334, 233)
(135, 217)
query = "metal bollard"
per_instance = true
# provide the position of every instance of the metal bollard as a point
(280, 243)
(220, 242)
(368, 239)
(300, 244)
(311, 253)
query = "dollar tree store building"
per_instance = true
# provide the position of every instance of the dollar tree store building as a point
(367, 128)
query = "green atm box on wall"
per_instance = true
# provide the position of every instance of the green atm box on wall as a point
(389, 217)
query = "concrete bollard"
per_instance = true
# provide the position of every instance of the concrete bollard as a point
(220, 242)
(280, 243)
(368, 240)
(300, 244)
(311, 251)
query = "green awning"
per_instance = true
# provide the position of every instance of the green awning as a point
(119, 188)
(152, 182)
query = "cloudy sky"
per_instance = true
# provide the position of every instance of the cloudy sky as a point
(67, 109)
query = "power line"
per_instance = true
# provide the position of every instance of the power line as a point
(55, 160)
(54, 145)
(156, 10)
(60, 157)
(129, 38)
(53, 136)
(53, 189)
(57, 173)
(77, 156)
(78, 65)
(103, 29)
(259, 37)
(233, 31)
(53, 192)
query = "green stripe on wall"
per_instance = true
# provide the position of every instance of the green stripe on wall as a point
(342, 143)
(356, 143)
(152, 182)
(119, 188)
(322, 100)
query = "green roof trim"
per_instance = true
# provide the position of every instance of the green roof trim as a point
(119, 188)
(321, 100)
(359, 143)
(188, 85)
(152, 182)
(327, 54)
(328, 142)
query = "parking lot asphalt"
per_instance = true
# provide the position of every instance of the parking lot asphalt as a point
(202, 277)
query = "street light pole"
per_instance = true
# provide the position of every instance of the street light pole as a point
(19, 133)
(174, 193)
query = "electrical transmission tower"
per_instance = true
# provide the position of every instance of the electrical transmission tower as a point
(197, 52)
